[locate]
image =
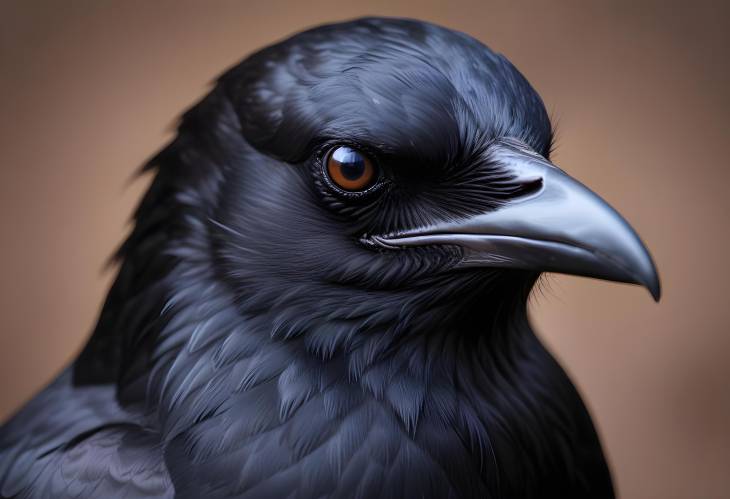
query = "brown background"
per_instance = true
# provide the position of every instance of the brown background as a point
(88, 90)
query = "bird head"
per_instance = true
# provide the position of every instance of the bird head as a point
(397, 173)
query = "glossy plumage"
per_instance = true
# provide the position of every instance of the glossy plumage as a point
(254, 344)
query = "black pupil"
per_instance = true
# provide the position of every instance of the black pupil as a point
(352, 163)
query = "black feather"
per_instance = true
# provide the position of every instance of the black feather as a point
(254, 346)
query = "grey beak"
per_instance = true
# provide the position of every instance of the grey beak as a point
(562, 227)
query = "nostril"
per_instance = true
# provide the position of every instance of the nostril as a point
(532, 184)
(527, 186)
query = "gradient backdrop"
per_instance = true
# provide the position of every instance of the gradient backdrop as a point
(639, 92)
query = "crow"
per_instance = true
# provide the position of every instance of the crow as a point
(324, 292)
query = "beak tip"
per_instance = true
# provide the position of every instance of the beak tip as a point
(651, 278)
(656, 291)
(653, 285)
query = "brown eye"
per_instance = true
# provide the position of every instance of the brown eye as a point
(350, 170)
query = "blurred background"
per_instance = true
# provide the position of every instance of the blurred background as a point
(639, 92)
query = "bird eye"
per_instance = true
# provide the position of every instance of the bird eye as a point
(350, 170)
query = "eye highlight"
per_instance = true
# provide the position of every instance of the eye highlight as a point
(350, 170)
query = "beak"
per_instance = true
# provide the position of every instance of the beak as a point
(561, 227)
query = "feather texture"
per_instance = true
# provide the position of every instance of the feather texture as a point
(254, 346)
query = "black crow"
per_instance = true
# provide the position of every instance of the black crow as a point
(324, 293)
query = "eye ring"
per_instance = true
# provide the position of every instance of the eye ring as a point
(350, 170)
